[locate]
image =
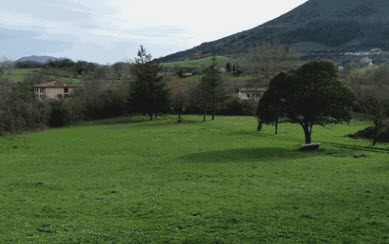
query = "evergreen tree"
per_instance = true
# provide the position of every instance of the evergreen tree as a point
(212, 88)
(148, 93)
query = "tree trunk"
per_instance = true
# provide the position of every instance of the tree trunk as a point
(179, 120)
(204, 115)
(276, 132)
(156, 115)
(213, 108)
(151, 116)
(307, 134)
(260, 124)
(376, 129)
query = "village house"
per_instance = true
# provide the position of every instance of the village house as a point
(251, 93)
(53, 90)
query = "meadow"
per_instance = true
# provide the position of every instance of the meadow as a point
(130, 180)
(198, 63)
(19, 75)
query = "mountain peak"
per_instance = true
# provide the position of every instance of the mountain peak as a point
(37, 59)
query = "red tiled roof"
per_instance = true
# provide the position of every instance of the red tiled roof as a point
(55, 84)
(252, 89)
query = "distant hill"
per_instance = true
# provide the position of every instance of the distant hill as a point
(316, 26)
(37, 59)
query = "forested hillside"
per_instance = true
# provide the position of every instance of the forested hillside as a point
(316, 26)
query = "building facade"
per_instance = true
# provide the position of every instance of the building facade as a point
(53, 90)
(251, 93)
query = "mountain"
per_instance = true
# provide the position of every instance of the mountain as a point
(316, 26)
(37, 59)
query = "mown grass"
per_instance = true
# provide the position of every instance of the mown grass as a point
(198, 63)
(135, 181)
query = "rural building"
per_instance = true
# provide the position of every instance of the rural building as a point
(250, 93)
(53, 90)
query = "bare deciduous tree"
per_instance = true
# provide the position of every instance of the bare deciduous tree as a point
(177, 95)
(267, 60)
(372, 88)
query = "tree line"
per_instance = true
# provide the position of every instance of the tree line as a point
(307, 94)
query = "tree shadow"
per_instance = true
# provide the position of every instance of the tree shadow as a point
(246, 154)
(109, 121)
(163, 121)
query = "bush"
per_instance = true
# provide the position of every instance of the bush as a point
(368, 133)
(57, 115)
(19, 111)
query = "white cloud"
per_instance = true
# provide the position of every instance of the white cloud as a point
(96, 27)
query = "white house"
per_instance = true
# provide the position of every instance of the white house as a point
(53, 90)
(251, 93)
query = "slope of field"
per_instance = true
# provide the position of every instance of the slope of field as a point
(198, 63)
(135, 181)
(19, 75)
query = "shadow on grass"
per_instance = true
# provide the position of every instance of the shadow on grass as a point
(140, 120)
(340, 146)
(124, 120)
(246, 154)
(163, 121)
(112, 121)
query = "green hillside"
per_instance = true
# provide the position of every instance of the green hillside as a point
(317, 26)
(198, 63)
(18, 75)
(134, 181)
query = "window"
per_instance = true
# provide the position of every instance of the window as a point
(248, 95)
(66, 90)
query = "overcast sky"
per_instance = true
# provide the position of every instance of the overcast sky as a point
(106, 31)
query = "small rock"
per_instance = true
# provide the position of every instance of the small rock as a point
(306, 216)
(233, 221)
(310, 147)
(360, 156)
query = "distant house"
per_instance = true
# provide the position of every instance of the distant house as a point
(53, 90)
(250, 93)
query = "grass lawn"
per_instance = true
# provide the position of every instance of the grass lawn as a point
(129, 180)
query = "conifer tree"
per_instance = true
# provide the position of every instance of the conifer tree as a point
(148, 93)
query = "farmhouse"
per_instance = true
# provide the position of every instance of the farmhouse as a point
(53, 90)
(250, 93)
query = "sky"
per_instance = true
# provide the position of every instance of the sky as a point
(107, 31)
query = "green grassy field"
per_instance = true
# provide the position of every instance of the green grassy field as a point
(129, 180)
(18, 75)
(196, 78)
(198, 63)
